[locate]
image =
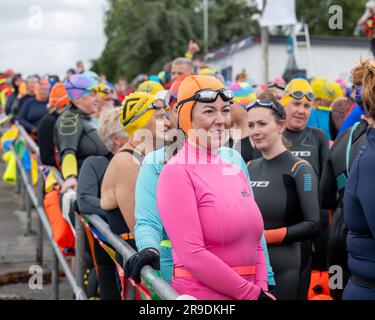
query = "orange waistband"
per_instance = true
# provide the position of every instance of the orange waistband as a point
(127, 236)
(242, 271)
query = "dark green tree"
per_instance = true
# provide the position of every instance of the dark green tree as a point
(231, 20)
(143, 35)
(316, 14)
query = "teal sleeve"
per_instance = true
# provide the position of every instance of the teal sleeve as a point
(235, 158)
(149, 230)
(271, 276)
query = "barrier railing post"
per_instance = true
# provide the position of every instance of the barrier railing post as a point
(39, 250)
(28, 215)
(23, 195)
(18, 180)
(55, 277)
(80, 250)
(28, 208)
(36, 200)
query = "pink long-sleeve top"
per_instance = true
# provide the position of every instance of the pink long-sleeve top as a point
(211, 217)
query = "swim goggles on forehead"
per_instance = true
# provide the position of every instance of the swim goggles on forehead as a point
(158, 104)
(101, 90)
(300, 94)
(266, 103)
(280, 86)
(209, 96)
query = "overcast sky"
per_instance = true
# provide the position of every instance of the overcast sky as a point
(49, 36)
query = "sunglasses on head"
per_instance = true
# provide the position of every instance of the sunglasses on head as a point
(300, 94)
(158, 104)
(280, 86)
(209, 96)
(266, 103)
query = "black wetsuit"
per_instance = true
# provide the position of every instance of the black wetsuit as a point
(286, 191)
(76, 138)
(75, 134)
(334, 176)
(311, 145)
(88, 199)
(332, 189)
(47, 149)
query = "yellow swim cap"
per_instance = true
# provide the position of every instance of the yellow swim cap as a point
(151, 87)
(208, 72)
(318, 85)
(294, 86)
(101, 89)
(133, 105)
(332, 90)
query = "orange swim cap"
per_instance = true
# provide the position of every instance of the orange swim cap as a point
(173, 91)
(58, 96)
(187, 89)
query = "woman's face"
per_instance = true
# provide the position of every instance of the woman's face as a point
(158, 125)
(212, 122)
(297, 114)
(88, 103)
(265, 132)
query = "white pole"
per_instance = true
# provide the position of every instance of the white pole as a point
(264, 38)
(205, 24)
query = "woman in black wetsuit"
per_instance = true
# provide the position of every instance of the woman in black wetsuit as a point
(331, 190)
(286, 190)
(88, 199)
(309, 144)
(58, 100)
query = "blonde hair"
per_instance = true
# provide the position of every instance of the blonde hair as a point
(368, 88)
(268, 94)
(109, 125)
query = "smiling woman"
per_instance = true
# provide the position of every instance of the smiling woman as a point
(210, 195)
(291, 219)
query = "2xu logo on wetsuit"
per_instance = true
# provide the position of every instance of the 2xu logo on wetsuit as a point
(259, 184)
(301, 153)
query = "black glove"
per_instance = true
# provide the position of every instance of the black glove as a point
(265, 296)
(133, 267)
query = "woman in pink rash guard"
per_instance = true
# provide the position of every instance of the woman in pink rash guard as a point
(207, 207)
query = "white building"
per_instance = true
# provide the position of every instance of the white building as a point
(332, 57)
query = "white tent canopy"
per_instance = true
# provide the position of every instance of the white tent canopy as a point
(279, 13)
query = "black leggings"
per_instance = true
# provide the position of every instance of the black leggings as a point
(291, 264)
(108, 288)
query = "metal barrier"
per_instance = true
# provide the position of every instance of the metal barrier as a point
(31, 198)
(158, 285)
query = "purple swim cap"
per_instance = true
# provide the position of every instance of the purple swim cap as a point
(78, 85)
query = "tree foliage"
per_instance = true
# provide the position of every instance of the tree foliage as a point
(143, 35)
(316, 14)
